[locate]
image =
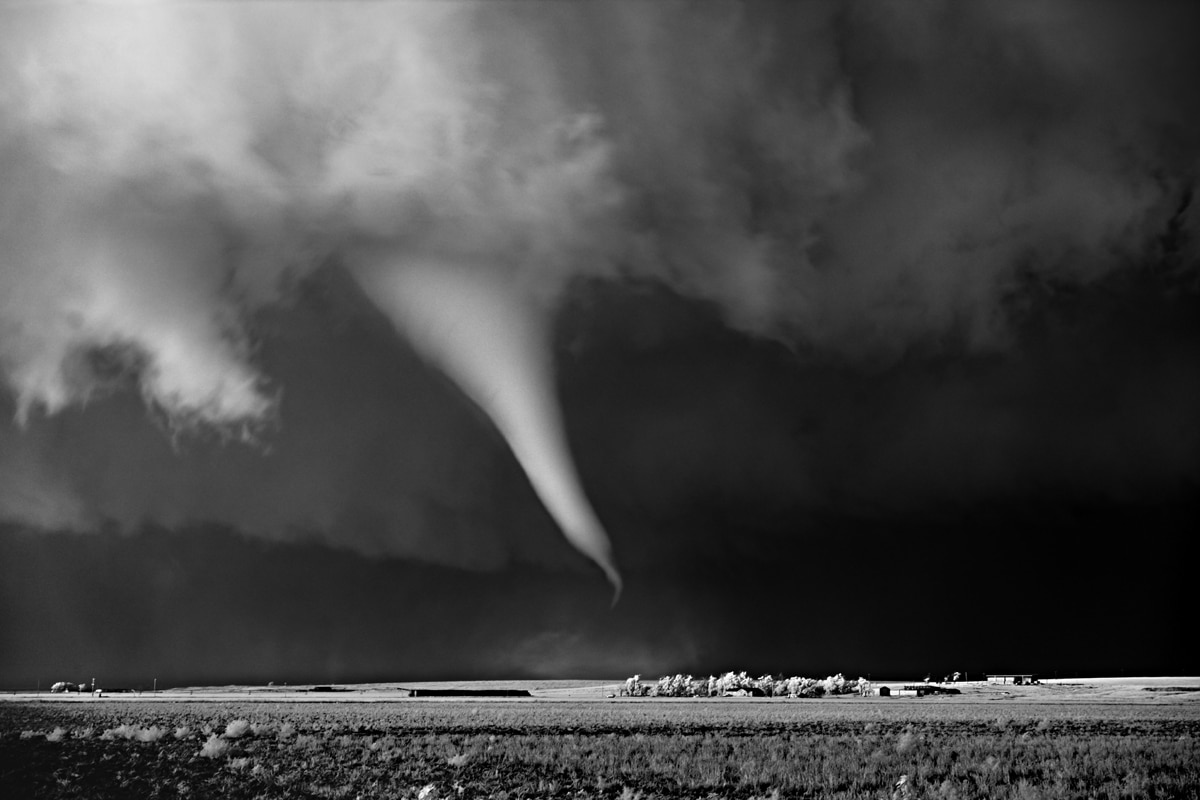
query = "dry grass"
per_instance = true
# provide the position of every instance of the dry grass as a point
(840, 748)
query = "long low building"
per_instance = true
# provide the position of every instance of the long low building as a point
(1016, 679)
(467, 692)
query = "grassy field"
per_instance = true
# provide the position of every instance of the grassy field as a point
(1056, 744)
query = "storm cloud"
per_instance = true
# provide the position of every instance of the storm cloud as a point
(780, 262)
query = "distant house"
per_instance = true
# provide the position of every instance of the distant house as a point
(885, 691)
(922, 689)
(1016, 679)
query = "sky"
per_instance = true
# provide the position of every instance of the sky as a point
(385, 341)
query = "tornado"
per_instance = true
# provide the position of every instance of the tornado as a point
(493, 343)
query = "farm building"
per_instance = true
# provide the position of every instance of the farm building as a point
(1026, 679)
(467, 692)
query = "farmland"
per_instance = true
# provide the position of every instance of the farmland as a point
(1042, 746)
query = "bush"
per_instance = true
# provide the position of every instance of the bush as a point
(215, 747)
(237, 729)
(134, 733)
(151, 734)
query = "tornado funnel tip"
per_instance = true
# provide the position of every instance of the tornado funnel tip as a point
(614, 578)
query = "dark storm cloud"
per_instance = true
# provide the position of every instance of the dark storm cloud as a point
(1025, 143)
(803, 263)
(679, 419)
(206, 606)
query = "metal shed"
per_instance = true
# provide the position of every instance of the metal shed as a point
(1016, 679)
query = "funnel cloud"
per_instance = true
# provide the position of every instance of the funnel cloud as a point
(494, 345)
(171, 167)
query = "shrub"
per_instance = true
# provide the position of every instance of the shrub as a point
(215, 747)
(134, 733)
(237, 729)
(122, 731)
(151, 734)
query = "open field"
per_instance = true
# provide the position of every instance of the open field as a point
(1169, 690)
(1064, 740)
